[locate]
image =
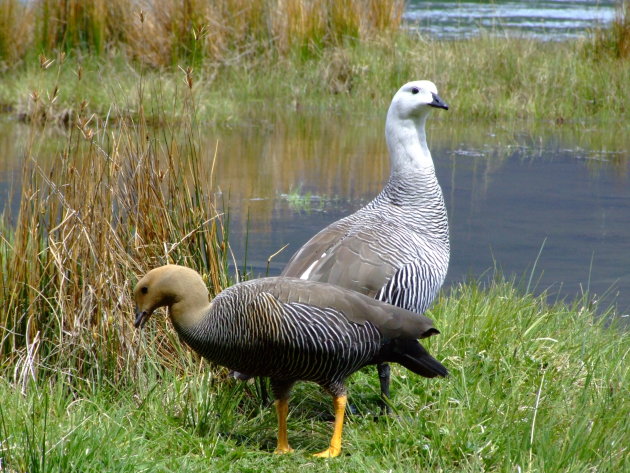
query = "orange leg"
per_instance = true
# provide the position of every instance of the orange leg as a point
(282, 409)
(335, 442)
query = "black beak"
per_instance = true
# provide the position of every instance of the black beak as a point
(141, 318)
(438, 102)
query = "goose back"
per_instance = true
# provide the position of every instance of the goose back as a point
(290, 329)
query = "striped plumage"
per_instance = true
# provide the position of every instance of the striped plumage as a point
(250, 327)
(420, 239)
(396, 248)
(289, 330)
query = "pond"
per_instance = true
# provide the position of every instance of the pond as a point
(540, 19)
(550, 203)
(553, 203)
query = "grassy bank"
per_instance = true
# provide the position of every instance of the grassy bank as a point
(484, 79)
(329, 62)
(533, 387)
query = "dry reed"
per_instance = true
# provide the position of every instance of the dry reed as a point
(620, 30)
(615, 40)
(16, 30)
(118, 200)
(164, 32)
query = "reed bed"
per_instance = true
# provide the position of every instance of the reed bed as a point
(615, 40)
(117, 200)
(165, 32)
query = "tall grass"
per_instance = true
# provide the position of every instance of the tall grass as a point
(164, 32)
(16, 23)
(615, 40)
(118, 199)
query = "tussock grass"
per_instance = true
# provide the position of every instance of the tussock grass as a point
(533, 387)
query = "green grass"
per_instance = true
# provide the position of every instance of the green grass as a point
(491, 79)
(533, 387)
(292, 55)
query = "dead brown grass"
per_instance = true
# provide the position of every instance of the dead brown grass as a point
(615, 40)
(117, 201)
(621, 30)
(16, 30)
(161, 32)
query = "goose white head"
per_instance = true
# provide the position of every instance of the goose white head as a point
(404, 128)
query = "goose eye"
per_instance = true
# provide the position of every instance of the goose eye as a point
(414, 90)
(144, 290)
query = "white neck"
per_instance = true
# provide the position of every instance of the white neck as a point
(407, 144)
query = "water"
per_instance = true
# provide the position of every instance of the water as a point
(555, 198)
(555, 195)
(540, 19)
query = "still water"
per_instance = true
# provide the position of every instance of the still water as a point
(540, 19)
(554, 195)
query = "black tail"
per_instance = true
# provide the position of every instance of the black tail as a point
(416, 358)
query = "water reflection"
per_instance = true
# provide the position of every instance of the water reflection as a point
(508, 192)
(293, 160)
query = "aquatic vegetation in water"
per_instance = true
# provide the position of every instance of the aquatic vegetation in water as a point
(307, 202)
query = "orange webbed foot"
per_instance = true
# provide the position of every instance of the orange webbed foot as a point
(330, 452)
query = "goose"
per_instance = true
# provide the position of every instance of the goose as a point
(289, 330)
(396, 248)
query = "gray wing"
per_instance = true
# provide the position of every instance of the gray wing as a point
(301, 262)
(391, 321)
(358, 259)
